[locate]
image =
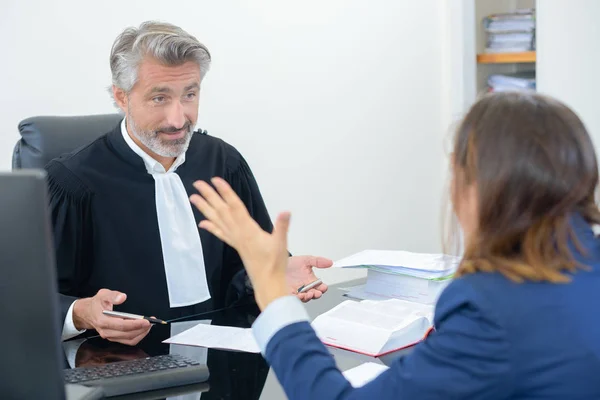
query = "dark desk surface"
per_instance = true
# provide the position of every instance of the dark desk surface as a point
(233, 375)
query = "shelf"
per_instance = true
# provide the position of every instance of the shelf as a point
(505, 58)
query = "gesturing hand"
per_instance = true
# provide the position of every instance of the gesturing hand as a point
(264, 255)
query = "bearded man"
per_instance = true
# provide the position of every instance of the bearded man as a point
(125, 233)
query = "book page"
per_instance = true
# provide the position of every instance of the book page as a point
(410, 310)
(350, 335)
(367, 326)
(391, 314)
(389, 317)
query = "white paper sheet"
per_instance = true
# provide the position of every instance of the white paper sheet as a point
(428, 266)
(195, 353)
(364, 373)
(390, 314)
(217, 337)
(359, 292)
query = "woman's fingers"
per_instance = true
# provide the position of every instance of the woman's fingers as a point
(209, 212)
(227, 193)
(211, 197)
(280, 231)
(215, 230)
(203, 206)
(227, 216)
(224, 207)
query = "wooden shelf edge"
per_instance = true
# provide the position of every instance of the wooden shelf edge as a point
(504, 58)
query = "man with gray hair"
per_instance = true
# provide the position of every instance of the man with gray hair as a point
(125, 232)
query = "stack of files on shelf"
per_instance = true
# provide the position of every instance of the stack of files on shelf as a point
(510, 32)
(416, 277)
(524, 80)
(374, 328)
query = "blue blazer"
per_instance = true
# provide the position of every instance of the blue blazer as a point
(494, 339)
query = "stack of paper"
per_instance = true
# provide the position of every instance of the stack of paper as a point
(419, 265)
(523, 80)
(403, 275)
(510, 32)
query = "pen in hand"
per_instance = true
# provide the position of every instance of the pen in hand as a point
(306, 288)
(133, 316)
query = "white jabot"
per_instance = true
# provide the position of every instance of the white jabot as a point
(181, 245)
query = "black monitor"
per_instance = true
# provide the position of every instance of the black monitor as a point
(31, 360)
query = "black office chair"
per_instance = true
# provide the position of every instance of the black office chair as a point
(45, 138)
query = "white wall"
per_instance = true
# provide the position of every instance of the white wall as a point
(568, 57)
(336, 104)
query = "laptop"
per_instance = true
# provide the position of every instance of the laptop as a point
(32, 363)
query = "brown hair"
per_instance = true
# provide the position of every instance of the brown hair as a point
(534, 167)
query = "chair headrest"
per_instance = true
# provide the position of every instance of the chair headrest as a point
(45, 138)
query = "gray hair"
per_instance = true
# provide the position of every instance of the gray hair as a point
(165, 42)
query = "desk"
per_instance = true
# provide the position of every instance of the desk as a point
(233, 375)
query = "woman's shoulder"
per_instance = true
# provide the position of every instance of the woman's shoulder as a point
(479, 293)
(475, 285)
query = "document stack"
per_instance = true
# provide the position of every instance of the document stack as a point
(510, 32)
(415, 277)
(523, 80)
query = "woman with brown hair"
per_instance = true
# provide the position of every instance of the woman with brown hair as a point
(517, 322)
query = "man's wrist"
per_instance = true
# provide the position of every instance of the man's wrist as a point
(79, 308)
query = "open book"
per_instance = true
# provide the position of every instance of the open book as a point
(374, 328)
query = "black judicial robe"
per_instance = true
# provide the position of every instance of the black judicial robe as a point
(106, 234)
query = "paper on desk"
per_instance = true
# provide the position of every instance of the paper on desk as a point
(217, 337)
(359, 292)
(428, 266)
(199, 354)
(364, 373)
(393, 258)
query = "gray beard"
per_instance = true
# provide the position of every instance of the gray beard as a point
(164, 148)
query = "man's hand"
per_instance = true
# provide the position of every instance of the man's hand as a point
(87, 314)
(300, 272)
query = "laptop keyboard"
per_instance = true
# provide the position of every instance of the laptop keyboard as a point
(139, 375)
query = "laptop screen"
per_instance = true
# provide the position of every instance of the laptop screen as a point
(31, 362)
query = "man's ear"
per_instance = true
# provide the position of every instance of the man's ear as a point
(120, 98)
